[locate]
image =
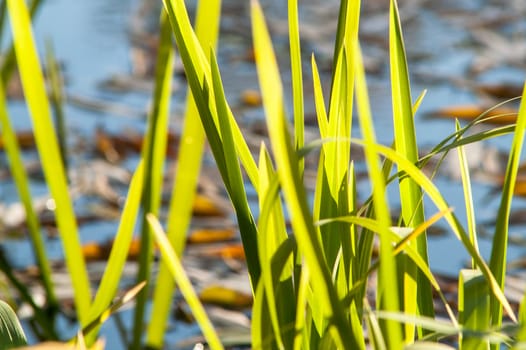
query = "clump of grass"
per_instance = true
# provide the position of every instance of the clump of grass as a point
(310, 282)
(328, 250)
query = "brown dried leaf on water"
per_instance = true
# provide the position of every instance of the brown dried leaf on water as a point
(501, 91)
(230, 251)
(25, 138)
(251, 98)
(225, 297)
(105, 146)
(211, 235)
(95, 251)
(204, 206)
(520, 186)
(115, 147)
(497, 115)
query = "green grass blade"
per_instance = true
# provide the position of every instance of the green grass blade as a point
(263, 335)
(417, 292)
(373, 326)
(111, 309)
(191, 150)
(302, 320)
(276, 275)
(271, 226)
(109, 283)
(182, 280)
(473, 308)
(234, 180)
(297, 76)
(347, 31)
(387, 283)
(9, 59)
(35, 93)
(3, 16)
(500, 238)
(468, 197)
(321, 111)
(153, 154)
(57, 100)
(521, 333)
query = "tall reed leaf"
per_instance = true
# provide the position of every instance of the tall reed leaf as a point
(468, 197)
(387, 283)
(294, 192)
(185, 182)
(119, 253)
(297, 76)
(279, 297)
(199, 77)
(500, 238)
(233, 179)
(38, 104)
(473, 308)
(9, 59)
(319, 102)
(417, 292)
(153, 154)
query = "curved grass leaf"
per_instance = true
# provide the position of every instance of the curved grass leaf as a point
(417, 292)
(271, 226)
(387, 293)
(113, 308)
(500, 238)
(468, 197)
(119, 253)
(184, 284)
(297, 76)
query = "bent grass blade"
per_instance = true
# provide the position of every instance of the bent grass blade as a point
(153, 155)
(182, 280)
(119, 253)
(191, 150)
